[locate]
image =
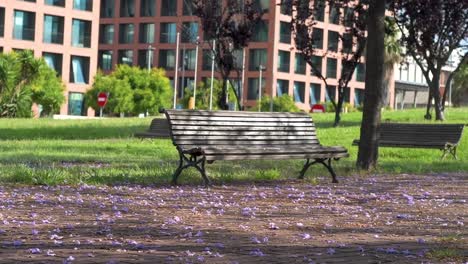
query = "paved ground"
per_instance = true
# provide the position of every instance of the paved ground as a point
(381, 219)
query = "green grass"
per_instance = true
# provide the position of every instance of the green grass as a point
(45, 151)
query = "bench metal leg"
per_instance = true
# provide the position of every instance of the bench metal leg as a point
(193, 161)
(324, 162)
(449, 149)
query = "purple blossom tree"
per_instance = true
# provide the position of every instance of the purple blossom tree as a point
(352, 15)
(431, 31)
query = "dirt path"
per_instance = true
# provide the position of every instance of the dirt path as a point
(381, 219)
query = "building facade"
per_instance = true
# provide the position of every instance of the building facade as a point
(144, 33)
(63, 32)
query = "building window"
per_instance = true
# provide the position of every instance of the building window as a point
(319, 8)
(252, 92)
(187, 59)
(284, 59)
(347, 43)
(167, 59)
(127, 8)
(188, 7)
(86, 5)
(358, 97)
(300, 64)
(260, 32)
(146, 33)
(168, 8)
(144, 56)
(348, 17)
(257, 57)
(54, 61)
(24, 25)
(107, 8)
(106, 34)
(334, 17)
(238, 58)
(333, 38)
(105, 60)
(81, 35)
(316, 68)
(126, 32)
(286, 7)
(317, 37)
(207, 60)
(189, 32)
(314, 93)
(147, 8)
(125, 57)
(79, 69)
(282, 87)
(361, 72)
(299, 92)
(330, 95)
(2, 21)
(55, 2)
(347, 95)
(331, 68)
(168, 33)
(261, 5)
(53, 29)
(75, 104)
(285, 32)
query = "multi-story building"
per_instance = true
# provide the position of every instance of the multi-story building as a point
(135, 31)
(64, 33)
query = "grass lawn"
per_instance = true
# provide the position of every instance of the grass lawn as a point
(45, 151)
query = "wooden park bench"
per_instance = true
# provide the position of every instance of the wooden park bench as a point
(445, 137)
(159, 128)
(207, 136)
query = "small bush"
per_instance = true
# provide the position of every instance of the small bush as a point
(284, 103)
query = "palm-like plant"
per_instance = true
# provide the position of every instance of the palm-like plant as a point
(392, 54)
(17, 72)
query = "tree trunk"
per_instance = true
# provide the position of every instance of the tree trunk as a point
(373, 93)
(428, 115)
(223, 100)
(435, 88)
(339, 107)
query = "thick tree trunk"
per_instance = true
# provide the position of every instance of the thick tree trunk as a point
(373, 93)
(223, 100)
(339, 107)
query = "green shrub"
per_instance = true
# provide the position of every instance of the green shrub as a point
(284, 103)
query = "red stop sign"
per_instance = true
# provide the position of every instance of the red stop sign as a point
(102, 99)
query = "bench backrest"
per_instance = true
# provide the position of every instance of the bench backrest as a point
(421, 134)
(159, 124)
(190, 128)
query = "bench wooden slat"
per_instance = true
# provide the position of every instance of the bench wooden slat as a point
(238, 123)
(241, 128)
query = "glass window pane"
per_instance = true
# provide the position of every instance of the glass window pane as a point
(125, 57)
(54, 61)
(300, 64)
(127, 8)
(2, 21)
(167, 59)
(285, 32)
(314, 93)
(146, 33)
(189, 32)
(317, 37)
(24, 25)
(107, 8)
(53, 29)
(106, 34)
(252, 92)
(85, 5)
(75, 104)
(316, 69)
(284, 59)
(126, 33)
(55, 2)
(168, 33)
(79, 69)
(168, 8)
(105, 60)
(260, 32)
(299, 92)
(147, 8)
(331, 68)
(81, 33)
(333, 38)
(282, 87)
(257, 57)
(330, 94)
